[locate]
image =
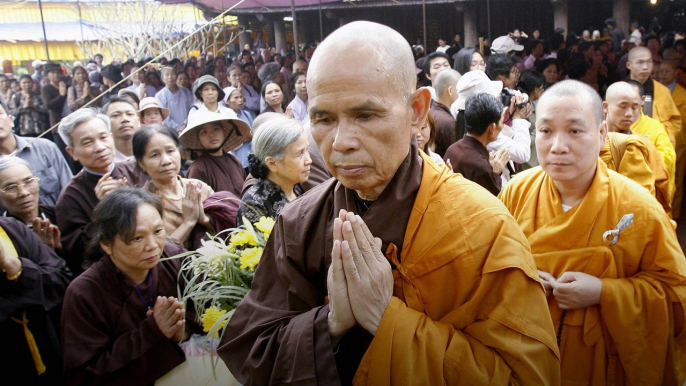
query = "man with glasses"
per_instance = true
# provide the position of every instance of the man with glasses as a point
(43, 155)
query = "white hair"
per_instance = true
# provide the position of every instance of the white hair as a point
(69, 123)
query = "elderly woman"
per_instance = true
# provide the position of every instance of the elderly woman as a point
(297, 109)
(214, 135)
(272, 93)
(281, 162)
(235, 100)
(156, 148)
(121, 323)
(80, 92)
(19, 195)
(151, 111)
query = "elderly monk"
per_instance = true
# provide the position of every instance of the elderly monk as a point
(636, 156)
(397, 271)
(606, 252)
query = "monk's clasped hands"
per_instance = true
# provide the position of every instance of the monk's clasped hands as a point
(572, 290)
(360, 281)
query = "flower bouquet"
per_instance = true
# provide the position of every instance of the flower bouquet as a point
(217, 277)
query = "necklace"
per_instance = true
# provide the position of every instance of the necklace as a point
(149, 305)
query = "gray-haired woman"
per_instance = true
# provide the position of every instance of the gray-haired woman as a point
(281, 162)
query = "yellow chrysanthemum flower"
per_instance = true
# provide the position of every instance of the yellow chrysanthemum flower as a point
(240, 239)
(210, 318)
(250, 257)
(265, 225)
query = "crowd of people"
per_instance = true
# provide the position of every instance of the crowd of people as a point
(498, 214)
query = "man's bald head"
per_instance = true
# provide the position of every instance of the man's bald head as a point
(622, 106)
(582, 92)
(444, 79)
(383, 48)
(638, 50)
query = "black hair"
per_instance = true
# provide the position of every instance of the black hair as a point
(116, 215)
(546, 63)
(4, 107)
(648, 38)
(577, 68)
(142, 138)
(463, 60)
(480, 111)
(529, 81)
(256, 167)
(636, 84)
(116, 99)
(680, 42)
(294, 79)
(556, 42)
(25, 76)
(585, 46)
(187, 65)
(76, 68)
(533, 44)
(427, 62)
(267, 83)
(499, 64)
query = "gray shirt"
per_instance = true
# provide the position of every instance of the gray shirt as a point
(48, 164)
(178, 103)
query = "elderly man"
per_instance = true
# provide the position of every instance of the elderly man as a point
(662, 106)
(606, 252)
(89, 141)
(43, 156)
(445, 292)
(124, 123)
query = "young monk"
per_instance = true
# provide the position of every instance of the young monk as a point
(607, 255)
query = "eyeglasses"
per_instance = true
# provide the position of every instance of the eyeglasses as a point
(478, 64)
(28, 183)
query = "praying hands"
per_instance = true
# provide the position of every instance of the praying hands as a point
(360, 282)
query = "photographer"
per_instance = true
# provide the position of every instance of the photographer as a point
(515, 136)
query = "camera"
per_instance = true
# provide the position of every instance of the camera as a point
(506, 96)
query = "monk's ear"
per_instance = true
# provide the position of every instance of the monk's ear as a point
(603, 132)
(421, 101)
(605, 109)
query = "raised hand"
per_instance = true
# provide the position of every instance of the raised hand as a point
(48, 233)
(107, 184)
(170, 317)
(499, 159)
(341, 317)
(367, 271)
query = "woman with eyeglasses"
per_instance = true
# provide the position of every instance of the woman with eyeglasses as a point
(19, 195)
(468, 59)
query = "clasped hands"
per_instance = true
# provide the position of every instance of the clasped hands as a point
(360, 280)
(572, 290)
(170, 317)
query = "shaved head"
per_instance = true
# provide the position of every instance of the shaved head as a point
(382, 47)
(619, 89)
(581, 91)
(636, 51)
(444, 79)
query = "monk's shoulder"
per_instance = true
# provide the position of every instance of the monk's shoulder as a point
(627, 194)
(521, 186)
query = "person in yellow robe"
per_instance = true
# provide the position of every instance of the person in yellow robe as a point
(669, 77)
(632, 154)
(396, 271)
(662, 107)
(606, 252)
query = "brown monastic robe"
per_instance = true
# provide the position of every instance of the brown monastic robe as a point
(106, 335)
(223, 174)
(75, 206)
(467, 303)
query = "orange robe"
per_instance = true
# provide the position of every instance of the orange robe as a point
(636, 158)
(665, 111)
(490, 326)
(679, 97)
(635, 336)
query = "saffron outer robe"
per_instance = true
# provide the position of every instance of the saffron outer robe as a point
(466, 307)
(655, 132)
(635, 336)
(665, 111)
(679, 98)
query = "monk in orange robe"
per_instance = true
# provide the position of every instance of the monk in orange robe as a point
(430, 282)
(606, 252)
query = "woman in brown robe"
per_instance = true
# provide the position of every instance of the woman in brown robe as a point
(215, 135)
(120, 321)
(156, 148)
